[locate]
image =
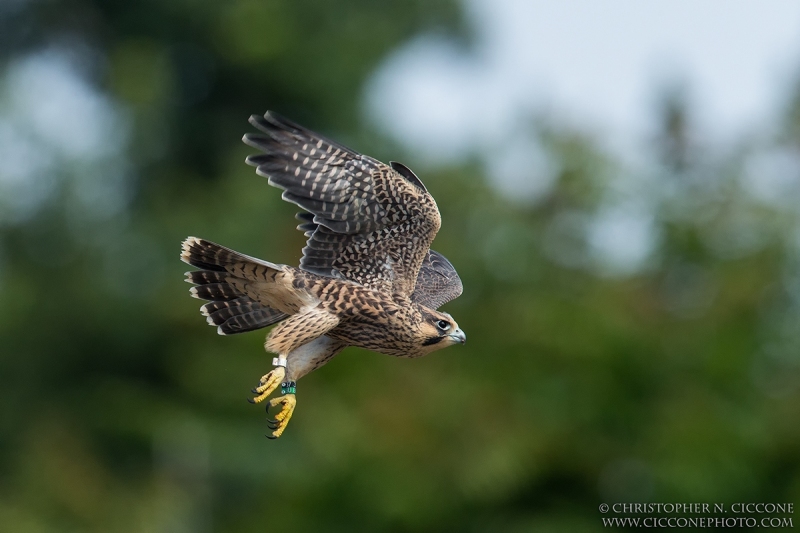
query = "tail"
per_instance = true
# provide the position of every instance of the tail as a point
(224, 281)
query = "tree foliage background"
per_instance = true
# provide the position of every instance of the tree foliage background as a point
(122, 411)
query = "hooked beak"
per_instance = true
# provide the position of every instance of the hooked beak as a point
(458, 336)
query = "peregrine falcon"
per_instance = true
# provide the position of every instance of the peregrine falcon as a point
(367, 278)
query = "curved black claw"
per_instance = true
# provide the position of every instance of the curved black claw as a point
(273, 427)
(269, 420)
(271, 437)
(251, 401)
(253, 390)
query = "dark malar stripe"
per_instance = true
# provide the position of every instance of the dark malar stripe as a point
(432, 340)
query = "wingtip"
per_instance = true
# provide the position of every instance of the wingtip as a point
(269, 120)
(251, 159)
(186, 248)
(252, 141)
(276, 118)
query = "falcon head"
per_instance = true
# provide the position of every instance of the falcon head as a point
(438, 330)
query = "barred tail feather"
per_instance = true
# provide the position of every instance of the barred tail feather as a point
(226, 273)
(216, 292)
(240, 315)
(209, 255)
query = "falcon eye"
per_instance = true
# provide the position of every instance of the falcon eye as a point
(443, 325)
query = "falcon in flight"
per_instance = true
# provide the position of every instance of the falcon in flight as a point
(368, 277)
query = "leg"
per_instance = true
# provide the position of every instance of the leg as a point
(311, 356)
(269, 382)
(301, 361)
(287, 402)
(290, 336)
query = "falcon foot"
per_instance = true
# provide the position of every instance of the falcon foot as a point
(267, 384)
(287, 401)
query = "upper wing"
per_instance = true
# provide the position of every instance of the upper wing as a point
(368, 222)
(437, 283)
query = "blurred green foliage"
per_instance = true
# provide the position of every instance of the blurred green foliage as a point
(122, 411)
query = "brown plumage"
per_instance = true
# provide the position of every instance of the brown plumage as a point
(367, 277)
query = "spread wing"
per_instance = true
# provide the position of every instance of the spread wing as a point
(367, 222)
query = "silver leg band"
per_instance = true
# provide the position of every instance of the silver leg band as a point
(279, 361)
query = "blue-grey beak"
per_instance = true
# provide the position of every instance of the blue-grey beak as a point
(459, 336)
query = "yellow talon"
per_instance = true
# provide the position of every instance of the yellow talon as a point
(288, 402)
(268, 383)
